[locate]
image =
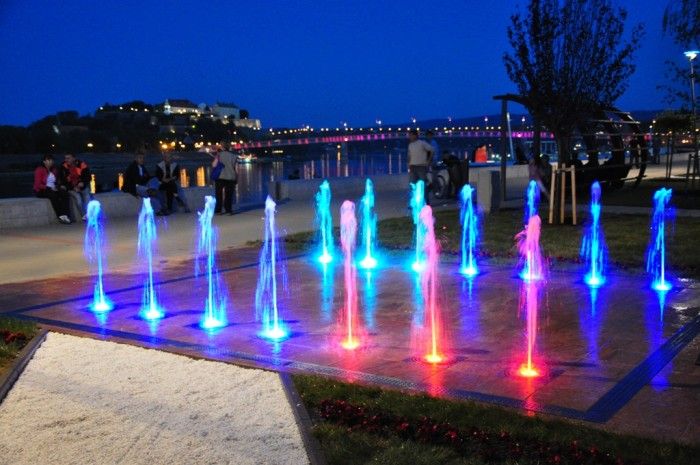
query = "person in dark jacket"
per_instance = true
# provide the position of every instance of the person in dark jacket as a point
(168, 173)
(139, 183)
(75, 176)
(47, 186)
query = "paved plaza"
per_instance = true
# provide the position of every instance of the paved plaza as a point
(622, 358)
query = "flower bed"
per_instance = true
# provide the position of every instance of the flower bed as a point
(473, 442)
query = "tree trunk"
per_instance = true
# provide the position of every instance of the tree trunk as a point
(563, 149)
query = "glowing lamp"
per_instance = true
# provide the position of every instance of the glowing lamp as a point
(350, 344)
(368, 262)
(691, 54)
(528, 372)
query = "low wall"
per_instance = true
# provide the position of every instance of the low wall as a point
(485, 179)
(305, 189)
(31, 211)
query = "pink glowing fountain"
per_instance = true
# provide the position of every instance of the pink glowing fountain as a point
(431, 334)
(532, 273)
(531, 304)
(349, 323)
(530, 252)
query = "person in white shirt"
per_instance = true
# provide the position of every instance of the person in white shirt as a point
(420, 154)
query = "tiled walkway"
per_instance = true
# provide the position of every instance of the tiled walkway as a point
(623, 358)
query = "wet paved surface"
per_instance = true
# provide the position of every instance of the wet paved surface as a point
(622, 358)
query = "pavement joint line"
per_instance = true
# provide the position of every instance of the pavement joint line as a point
(136, 287)
(625, 389)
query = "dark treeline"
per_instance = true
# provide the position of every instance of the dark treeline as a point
(116, 128)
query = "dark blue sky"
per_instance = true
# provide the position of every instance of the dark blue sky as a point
(288, 63)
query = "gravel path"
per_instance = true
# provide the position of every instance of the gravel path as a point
(86, 401)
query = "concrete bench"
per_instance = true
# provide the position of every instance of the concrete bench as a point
(24, 212)
(351, 187)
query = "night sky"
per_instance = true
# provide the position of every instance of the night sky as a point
(288, 63)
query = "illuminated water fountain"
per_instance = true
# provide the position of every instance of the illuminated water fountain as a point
(532, 273)
(325, 222)
(470, 232)
(530, 301)
(656, 252)
(93, 248)
(146, 243)
(266, 308)
(529, 239)
(431, 334)
(215, 305)
(350, 324)
(417, 204)
(593, 246)
(369, 227)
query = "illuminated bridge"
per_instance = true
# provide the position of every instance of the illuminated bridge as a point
(377, 135)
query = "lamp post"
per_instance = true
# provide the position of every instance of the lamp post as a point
(693, 158)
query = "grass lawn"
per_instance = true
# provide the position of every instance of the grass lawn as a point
(641, 195)
(342, 444)
(14, 334)
(627, 237)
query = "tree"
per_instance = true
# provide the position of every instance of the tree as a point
(569, 58)
(682, 21)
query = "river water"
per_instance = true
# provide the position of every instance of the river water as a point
(313, 161)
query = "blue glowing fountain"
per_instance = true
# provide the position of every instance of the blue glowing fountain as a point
(325, 222)
(417, 204)
(93, 245)
(593, 246)
(369, 227)
(147, 239)
(215, 306)
(470, 232)
(656, 252)
(266, 309)
(533, 200)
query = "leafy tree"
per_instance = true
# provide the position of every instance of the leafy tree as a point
(569, 58)
(682, 21)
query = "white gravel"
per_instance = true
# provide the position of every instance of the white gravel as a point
(85, 401)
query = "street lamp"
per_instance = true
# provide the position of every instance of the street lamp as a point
(691, 55)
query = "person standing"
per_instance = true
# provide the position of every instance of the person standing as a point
(225, 184)
(430, 138)
(75, 176)
(419, 155)
(46, 186)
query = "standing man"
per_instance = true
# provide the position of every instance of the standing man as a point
(419, 155)
(430, 138)
(75, 176)
(225, 185)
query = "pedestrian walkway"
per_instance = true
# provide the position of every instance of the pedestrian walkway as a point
(56, 250)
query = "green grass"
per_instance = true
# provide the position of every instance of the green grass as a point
(627, 238)
(641, 195)
(344, 447)
(8, 352)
